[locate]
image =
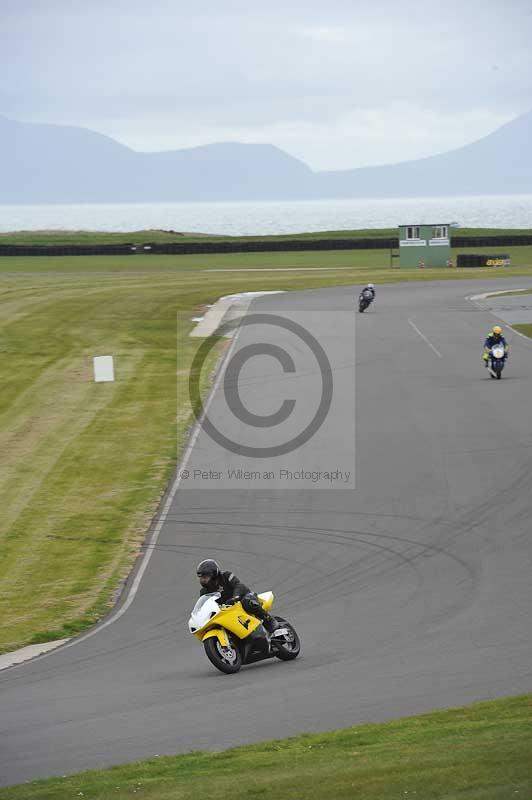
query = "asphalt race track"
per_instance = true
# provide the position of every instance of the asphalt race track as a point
(410, 592)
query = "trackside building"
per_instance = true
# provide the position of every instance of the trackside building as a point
(424, 245)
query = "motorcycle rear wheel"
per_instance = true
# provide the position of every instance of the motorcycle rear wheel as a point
(227, 660)
(292, 648)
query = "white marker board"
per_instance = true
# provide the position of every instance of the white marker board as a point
(103, 369)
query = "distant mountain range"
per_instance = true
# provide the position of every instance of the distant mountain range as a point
(62, 164)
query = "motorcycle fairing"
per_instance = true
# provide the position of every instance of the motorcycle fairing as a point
(219, 633)
(231, 618)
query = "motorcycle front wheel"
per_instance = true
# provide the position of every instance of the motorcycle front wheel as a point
(226, 659)
(291, 647)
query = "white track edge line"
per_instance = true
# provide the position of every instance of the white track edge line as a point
(440, 355)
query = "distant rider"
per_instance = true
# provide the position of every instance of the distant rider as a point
(493, 339)
(369, 288)
(232, 590)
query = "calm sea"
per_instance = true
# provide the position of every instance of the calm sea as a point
(260, 218)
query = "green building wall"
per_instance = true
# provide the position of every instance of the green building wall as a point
(425, 243)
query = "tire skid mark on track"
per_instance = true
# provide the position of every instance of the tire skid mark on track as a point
(369, 564)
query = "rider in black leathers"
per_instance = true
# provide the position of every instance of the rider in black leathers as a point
(369, 290)
(232, 590)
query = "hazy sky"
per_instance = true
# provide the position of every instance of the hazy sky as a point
(337, 84)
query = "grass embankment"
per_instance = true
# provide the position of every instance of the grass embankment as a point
(481, 752)
(57, 237)
(84, 465)
(526, 329)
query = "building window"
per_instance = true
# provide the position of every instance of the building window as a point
(412, 232)
(440, 232)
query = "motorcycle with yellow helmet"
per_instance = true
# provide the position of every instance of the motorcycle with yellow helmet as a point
(495, 352)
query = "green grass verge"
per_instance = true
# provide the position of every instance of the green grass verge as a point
(84, 465)
(526, 329)
(480, 752)
(52, 237)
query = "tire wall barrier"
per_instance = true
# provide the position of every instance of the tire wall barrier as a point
(66, 250)
(193, 248)
(475, 260)
(207, 247)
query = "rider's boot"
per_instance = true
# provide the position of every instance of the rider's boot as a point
(270, 623)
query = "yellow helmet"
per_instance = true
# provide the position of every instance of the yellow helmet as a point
(497, 330)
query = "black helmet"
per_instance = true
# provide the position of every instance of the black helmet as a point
(209, 568)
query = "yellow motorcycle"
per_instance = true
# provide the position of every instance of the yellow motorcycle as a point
(232, 637)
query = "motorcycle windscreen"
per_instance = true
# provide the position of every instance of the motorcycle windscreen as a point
(206, 607)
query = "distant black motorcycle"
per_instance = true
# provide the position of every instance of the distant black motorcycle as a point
(365, 299)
